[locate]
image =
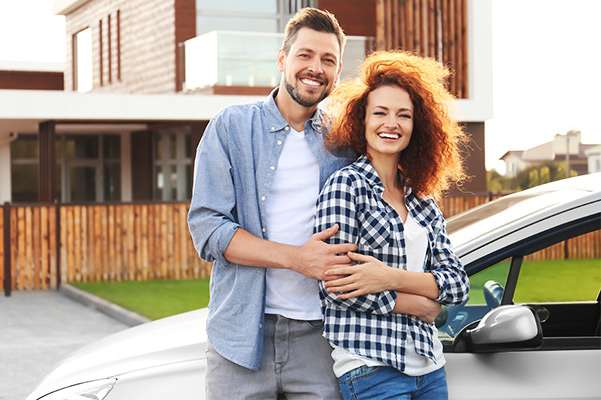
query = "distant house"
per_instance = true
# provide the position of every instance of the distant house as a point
(593, 155)
(582, 158)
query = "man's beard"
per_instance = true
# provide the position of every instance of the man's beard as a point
(293, 92)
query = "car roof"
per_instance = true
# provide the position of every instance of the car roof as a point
(481, 224)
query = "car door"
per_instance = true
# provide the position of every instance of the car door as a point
(547, 271)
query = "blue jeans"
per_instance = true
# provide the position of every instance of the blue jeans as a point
(389, 383)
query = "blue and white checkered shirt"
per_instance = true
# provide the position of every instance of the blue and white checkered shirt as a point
(365, 325)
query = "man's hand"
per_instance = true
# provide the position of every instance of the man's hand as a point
(315, 257)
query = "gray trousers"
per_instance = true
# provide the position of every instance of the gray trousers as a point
(296, 365)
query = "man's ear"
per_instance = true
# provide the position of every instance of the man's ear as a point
(281, 60)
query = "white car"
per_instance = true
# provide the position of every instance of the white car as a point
(495, 349)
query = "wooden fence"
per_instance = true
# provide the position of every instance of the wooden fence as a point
(93, 243)
(49, 244)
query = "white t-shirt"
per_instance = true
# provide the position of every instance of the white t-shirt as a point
(416, 243)
(290, 220)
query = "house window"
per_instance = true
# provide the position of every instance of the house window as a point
(24, 156)
(82, 60)
(88, 168)
(242, 15)
(172, 172)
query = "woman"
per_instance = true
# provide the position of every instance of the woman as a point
(379, 313)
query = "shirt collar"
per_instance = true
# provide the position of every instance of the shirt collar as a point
(363, 165)
(277, 121)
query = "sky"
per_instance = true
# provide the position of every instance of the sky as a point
(546, 66)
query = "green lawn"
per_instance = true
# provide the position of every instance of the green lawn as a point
(540, 281)
(153, 299)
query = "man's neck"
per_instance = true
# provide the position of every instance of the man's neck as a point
(295, 114)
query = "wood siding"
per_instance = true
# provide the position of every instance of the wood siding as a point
(432, 28)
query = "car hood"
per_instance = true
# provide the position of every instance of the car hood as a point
(169, 340)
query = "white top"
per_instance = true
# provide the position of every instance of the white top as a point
(290, 219)
(415, 365)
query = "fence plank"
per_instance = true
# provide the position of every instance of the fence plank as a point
(2, 233)
(36, 230)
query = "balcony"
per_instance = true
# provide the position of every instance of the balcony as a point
(227, 62)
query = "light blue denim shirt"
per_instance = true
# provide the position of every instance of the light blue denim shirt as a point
(235, 165)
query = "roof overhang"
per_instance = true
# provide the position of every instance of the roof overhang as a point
(21, 111)
(64, 7)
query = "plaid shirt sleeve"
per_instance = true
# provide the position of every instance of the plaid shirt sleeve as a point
(337, 204)
(451, 278)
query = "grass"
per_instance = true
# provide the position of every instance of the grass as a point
(540, 281)
(152, 299)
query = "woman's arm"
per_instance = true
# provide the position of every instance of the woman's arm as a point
(373, 276)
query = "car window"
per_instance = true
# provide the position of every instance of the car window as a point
(562, 281)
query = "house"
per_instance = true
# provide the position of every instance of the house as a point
(143, 78)
(568, 148)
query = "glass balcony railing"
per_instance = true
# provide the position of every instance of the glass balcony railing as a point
(227, 58)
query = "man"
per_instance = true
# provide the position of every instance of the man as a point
(259, 169)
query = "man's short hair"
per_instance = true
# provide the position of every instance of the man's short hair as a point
(316, 19)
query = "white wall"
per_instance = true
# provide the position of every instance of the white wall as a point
(478, 107)
(5, 185)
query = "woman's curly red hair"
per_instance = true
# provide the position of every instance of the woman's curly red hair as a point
(432, 161)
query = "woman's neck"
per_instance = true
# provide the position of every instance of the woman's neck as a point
(388, 170)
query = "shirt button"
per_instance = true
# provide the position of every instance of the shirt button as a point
(286, 128)
(273, 128)
(263, 198)
(264, 230)
(272, 168)
(279, 142)
(260, 325)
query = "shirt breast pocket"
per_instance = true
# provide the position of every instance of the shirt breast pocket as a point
(374, 228)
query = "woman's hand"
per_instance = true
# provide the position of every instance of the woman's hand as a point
(423, 308)
(371, 276)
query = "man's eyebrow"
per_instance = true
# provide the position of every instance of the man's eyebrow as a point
(308, 50)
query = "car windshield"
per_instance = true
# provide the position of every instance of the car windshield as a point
(504, 211)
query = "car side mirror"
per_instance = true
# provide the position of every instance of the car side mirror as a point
(505, 328)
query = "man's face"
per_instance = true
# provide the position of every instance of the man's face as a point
(311, 67)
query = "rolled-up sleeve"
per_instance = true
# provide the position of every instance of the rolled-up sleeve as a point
(211, 217)
(451, 278)
(337, 205)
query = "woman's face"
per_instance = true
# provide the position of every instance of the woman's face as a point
(388, 121)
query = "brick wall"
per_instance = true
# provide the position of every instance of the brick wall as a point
(143, 43)
(31, 80)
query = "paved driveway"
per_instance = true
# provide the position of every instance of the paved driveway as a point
(37, 330)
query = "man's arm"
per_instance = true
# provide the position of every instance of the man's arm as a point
(311, 259)
(416, 291)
